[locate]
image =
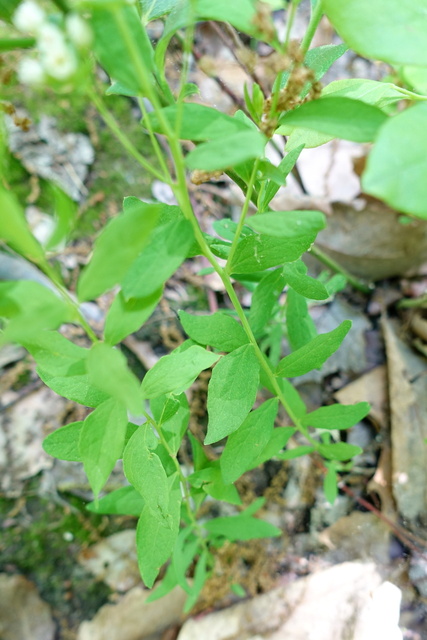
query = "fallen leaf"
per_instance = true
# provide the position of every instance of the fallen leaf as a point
(370, 387)
(372, 243)
(408, 405)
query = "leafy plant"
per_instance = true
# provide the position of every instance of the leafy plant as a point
(137, 252)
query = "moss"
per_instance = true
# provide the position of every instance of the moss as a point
(41, 540)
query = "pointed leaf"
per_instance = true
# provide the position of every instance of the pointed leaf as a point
(121, 43)
(15, 231)
(156, 534)
(101, 441)
(127, 316)
(125, 501)
(117, 247)
(108, 371)
(288, 224)
(336, 416)
(264, 299)
(338, 117)
(303, 284)
(314, 353)
(228, 151)
(299, 323)
(245, 445)
(144, 470)
(64, 442)
(176, 372)
(198, 122)
(218, 330)
(241, 527)
(260, 252)
(232, 392)
(339, 451)
(166, 251)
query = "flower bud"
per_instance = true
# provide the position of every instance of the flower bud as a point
(28, 17)
(78, 30)
(30, 72)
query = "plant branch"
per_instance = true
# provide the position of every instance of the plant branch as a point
(243, 214)
(315, 18)
(123, 139)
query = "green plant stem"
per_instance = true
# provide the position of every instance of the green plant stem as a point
(154, 141)
(70, 300)
(315, 18)
(123, 139)
(8, 44)
(334, 266)
(243, 215)
(292, 10)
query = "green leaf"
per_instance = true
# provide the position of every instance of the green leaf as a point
(321, 59)
(288, 224)
(264, 299)
(388, 30)
(278, 439)
(200, 577)
(172, 415)
(15, 231)
(7, 9)
(198, 122)
(260, 252)
(74, 387)
(217, 330)
(297, 452)
(241, 527)
(30, 308)
(299, 323)
(156, 534)
(127, 316)
(125, 501)
(245, 445)
(336, 416)
(232, 392)
(64, 442)
(330, 483)
(165, 252)
(227, 151)
(144, 470)
(101, 441)
(339, 451)
(176, 372)
(212, 482)
(337, 117)
(293, 398)
(314, 353)
(397, 164)
(154, 9)
(226, 228)
(121, 44)
(108, 371)
(200, 459)
(378, 94)
(55, 354)
(271, 188)
(303, 284)
(117, 247)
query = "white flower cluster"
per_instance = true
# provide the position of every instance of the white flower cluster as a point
(56, 47)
